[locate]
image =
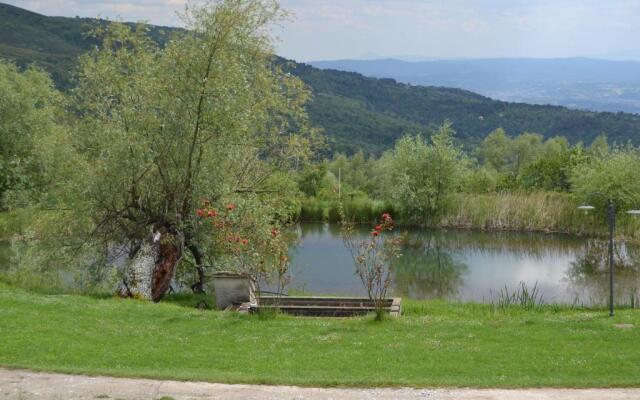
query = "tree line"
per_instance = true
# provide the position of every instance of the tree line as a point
(421, 176)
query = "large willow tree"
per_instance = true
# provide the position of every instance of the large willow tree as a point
(208, 116)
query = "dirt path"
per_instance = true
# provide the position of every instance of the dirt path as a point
(26, 385)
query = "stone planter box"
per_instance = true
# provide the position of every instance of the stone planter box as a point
(232, 289)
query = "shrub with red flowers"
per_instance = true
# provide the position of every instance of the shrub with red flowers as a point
(374, 257)
(243, 241)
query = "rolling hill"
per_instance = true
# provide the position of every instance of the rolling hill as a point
(356, 112)
(581, 83)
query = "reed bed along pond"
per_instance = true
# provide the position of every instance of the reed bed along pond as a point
(508, 211)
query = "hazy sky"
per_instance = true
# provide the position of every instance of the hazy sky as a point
(331, 29)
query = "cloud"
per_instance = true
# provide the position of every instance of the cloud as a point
(461, 28)
(161, 12)
(325, 29)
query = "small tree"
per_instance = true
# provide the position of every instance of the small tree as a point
(495, 149)
(374, 258)
(611, 177)
(425, 173)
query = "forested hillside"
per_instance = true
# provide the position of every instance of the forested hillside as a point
(53, 43)
(578, 82)
(354, 111)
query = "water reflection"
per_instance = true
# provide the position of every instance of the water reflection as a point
(588, 275)
(428, 269)
(457, 265)
(472, 266)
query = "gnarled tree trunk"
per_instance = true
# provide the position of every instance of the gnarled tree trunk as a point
(149, 272)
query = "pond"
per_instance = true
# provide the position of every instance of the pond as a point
(472, 266)
(466, 266)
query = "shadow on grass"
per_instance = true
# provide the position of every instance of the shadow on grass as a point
(191, 300)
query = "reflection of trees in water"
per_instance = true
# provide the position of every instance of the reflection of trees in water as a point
(536, 246)
(531, 245)
(427, 270)
(433, 262)
(588, 276)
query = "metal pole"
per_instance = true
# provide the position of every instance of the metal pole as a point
(339, 184)
(611, 219)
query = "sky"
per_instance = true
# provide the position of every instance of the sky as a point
(415, 29)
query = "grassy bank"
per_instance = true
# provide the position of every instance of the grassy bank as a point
(524, 212)
(433, 344)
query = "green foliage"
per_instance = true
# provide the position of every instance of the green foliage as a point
(509, 155)
(359, 209)
(611, 177)
(526, 149)
(177, 124)
(528, 162)
(482, 180)
(532, 192)
(551, 170)
(523, 296)
(311, 178)
(29, 114)
(358, 174)
(599, 147)
(494, 149)
(426, 173)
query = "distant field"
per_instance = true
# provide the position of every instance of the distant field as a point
(433, 344)
(582, 83)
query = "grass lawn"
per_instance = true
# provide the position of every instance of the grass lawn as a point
(433, 344)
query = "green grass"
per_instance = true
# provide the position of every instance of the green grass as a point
(433, 344)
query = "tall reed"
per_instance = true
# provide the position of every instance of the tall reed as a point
(357, 210)
(530, 212)
(522, 297)
(550, 212)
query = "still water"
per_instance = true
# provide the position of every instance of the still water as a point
(472, 266)
(467, 266)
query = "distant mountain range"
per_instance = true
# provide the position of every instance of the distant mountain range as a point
(582, 83)
(355, 112)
